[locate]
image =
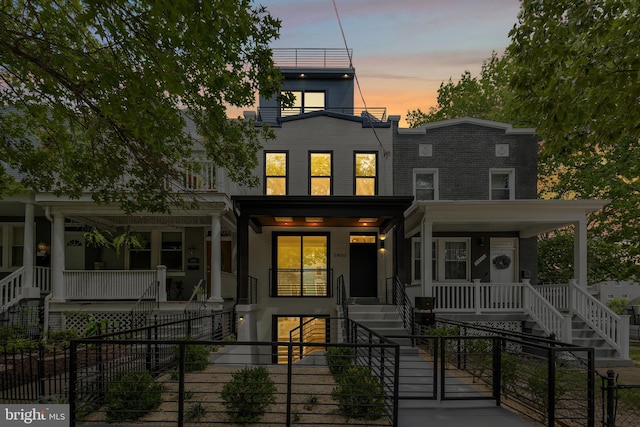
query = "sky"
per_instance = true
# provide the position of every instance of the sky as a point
(402, 49)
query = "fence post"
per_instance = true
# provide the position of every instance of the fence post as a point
(73, 377)
(289, 380)
(181, 369)
(551, 387)
(497, 369)
(611, 391)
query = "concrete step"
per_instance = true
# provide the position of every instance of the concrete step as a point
(376, 315)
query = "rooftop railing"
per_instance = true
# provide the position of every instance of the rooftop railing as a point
(312, 58)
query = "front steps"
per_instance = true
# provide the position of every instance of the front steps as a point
(382, 319)
(583, 336)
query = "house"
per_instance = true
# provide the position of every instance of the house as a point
(348, 201)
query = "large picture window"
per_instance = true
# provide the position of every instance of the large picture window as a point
(276, 173)
(365, 171)
(320, 171)
(301, 265)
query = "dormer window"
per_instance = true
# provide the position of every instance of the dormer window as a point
(304, 102)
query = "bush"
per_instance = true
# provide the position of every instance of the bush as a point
(196, 357)
(132, 396)
(339, 360)
(248, 395)
(62, 337)
(359, 394)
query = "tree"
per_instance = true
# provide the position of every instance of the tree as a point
(576, 66)
(95, 95)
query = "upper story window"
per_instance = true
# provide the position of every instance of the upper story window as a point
(304, 102)
(365, 171)
(502, 184)
(425, 184)
(275, 173)
(320, 172)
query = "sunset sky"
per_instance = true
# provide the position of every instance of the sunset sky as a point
(402, 49)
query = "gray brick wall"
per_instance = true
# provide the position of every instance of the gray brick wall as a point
(464, 154)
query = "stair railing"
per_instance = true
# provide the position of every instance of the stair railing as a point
(545, 314)
(607, 324)
(343, 300)
(145, 305)
(198, 297)
(11, 289)
(403, 305)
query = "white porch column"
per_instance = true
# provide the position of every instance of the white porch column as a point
(29, 244)
(216, 261)
(57, 258)
(426, 242)
(161, 275)
(580, 252)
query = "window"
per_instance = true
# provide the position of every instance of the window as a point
(320, 174)
(140, 258)
(298, 329)
(502, 184)
(275, 170)
(365, 169)
(425, 184)
(304, 102)
(416, 256)
(449, 259)
(301, 265)
(171, 250)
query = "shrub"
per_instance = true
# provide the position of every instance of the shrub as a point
(196, 357)
(359, 394)
(339, 360)
(62, 337)
(478, 356)
(131, 396)
(248, 395)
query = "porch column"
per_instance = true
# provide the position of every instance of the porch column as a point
(580, 252)
(243, 260)
(216, 257)
(426, 269)
(57, 258)
(29, 244)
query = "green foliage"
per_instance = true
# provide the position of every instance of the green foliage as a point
(443, 331)
(510, 370)
(112, 86)
(195, 412)
(575, 66)
(248, 395)
(538, 387)
(359, 394)
(11, 340)
(196, 357)
(95, 326)
(618, 305)
(131, 396)
(339, 360)
(62, 337)
(478, 357)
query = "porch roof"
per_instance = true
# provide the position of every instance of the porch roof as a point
(528, 217)
(333, 211)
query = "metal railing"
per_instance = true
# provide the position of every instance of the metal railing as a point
(343, 299)
(369, 114)
(196, 301)
(402, 303)
(312, 58)
(308, 282)
(148, 301)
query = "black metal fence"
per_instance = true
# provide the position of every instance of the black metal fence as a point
(35, 371)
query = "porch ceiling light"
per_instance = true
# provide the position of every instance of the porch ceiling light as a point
(314, 219)
(367, 219)
(284, 219)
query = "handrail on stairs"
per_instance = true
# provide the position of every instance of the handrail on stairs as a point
(545, 314)
(144, 306)
(403, 305)
(199, 294)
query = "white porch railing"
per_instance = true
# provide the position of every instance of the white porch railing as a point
(478, 297)
(11, 289)
(546, 315)
(199, 175)
(608, 325)
(106, 284)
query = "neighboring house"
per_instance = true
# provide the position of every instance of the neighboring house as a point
(346, 197)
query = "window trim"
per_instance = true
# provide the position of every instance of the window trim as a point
(330, 153)
(512, 181)
(273, 288)
(265, 177)
(438, 252)
(436, 182)
(375, 177)
(7, 245)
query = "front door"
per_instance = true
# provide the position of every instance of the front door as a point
(74, 250)
(504, 265)
(363, 266)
